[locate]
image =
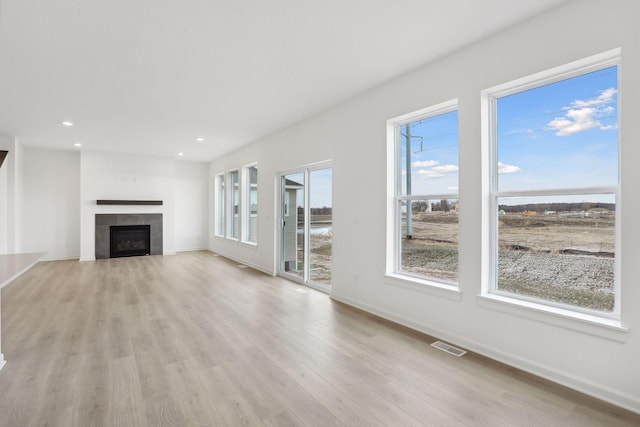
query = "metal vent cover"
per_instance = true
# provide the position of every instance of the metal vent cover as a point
(449, 348)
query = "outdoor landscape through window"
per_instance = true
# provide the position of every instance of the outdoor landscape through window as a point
(557, 181)
(428, 203)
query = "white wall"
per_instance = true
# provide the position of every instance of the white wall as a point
(354, 136)
(41, 192)
(50, 203)
(191, 205)
(124, 177)
(7, 195)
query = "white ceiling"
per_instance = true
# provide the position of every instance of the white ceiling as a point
(149, 76)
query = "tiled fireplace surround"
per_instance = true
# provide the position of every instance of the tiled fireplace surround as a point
(104, 221)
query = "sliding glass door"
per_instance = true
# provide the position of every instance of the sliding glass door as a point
(306, 226)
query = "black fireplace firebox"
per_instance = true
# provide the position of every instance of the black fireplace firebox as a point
(129, 240)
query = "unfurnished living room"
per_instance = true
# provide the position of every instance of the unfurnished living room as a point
(169, 250)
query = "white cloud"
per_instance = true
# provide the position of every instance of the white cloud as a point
(583, 115)
(445, 168)
(503, 168)
(605, 97)
(429, 174)
(425, 164)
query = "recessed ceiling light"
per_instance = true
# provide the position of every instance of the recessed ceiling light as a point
(77, 144)
(180, 154)
(67, 124)
(199, 139)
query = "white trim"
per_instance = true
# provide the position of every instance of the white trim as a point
(36, 258)
(559, 192)
(63, 258)
(424, 113)
(246, 215)
(593, 325)
(219, 194)
(491, 193)
(305, 171)
(528, 365)
(230, 214)
(190, 250)
(419, 284)
(243, 261)
(393, 271)
(582, 66)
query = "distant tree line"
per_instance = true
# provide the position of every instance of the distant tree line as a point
(557, 207)
(325, 210)
(443, 205)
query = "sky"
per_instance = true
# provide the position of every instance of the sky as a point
(433, 155)
(557, 136)
(562, 135)
(320, 188)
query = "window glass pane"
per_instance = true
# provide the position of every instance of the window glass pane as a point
(220, 208)
(321, 225)
(561, 135)
(235, 203)
(430, 248)
(559, 248)
(429, 155)
(293, 253)
(252, 220)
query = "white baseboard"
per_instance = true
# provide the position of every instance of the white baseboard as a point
(191, 249)
(65, 258)
(584, 386)
(242, 261)
(2, 361)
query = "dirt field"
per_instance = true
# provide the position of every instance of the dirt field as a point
(568, 259)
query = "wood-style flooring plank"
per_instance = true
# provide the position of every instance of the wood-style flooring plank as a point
(193, 340)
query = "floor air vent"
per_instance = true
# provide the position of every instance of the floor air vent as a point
(449, 348)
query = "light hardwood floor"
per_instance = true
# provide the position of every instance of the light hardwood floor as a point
(192, 339)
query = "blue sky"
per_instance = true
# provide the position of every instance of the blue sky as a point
(320, 190)
(434, 155)
(562, 135)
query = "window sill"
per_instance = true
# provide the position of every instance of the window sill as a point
(610, 329)
(424, 286)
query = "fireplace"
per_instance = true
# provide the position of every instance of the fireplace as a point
(129, 240)
(128, 223)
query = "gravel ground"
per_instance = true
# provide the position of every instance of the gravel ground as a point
(578, 271)
(581, 280)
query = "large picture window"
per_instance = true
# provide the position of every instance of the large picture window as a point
(554, 187)
(426, 194)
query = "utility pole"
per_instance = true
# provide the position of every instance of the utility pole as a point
(407, 135)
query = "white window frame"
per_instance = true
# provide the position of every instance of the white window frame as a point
(491, 194)
(220, 203)
(395, 198)
(230, 205)
(245, 224)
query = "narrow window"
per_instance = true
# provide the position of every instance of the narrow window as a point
(426, 194)
(220, 206)
(234, 215)
(250, 217)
